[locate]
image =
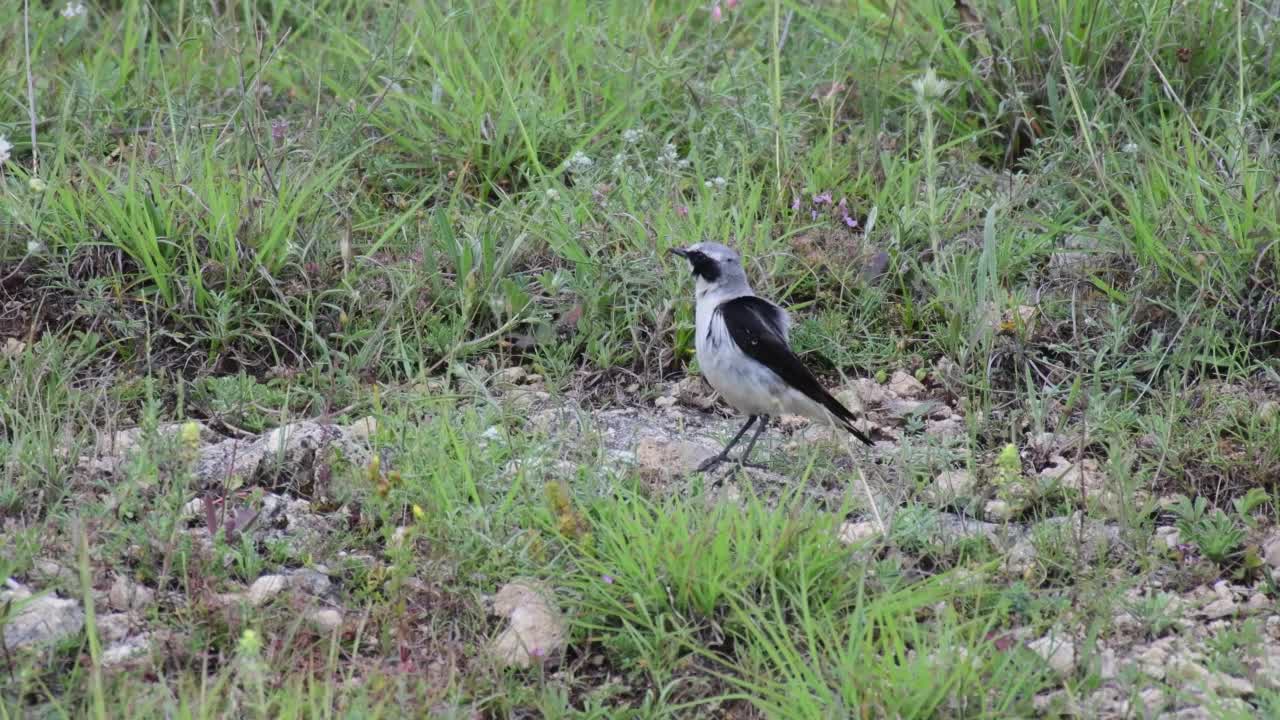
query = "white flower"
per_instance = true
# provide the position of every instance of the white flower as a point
(716, 182)
(35, 247)
(929, 87)
(5, 147)
(1130, 148)
(580, 161)
(553, 194)
(683, 163)
(73, 10)
(668, 153)
(37, 185)
(631, 136)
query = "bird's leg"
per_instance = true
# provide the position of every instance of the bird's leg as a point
(764, 423)
(724, 454)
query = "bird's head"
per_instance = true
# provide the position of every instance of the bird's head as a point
(715, 267)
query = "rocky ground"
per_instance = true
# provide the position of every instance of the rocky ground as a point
(1166, 633)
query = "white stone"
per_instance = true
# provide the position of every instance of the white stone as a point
(1058, 650)
(997, 511)
(1220, 608)
(40, 620)
(265, 588)
(905, 385)
(325, 619)
(536, 631)
(951, 486)
(126, 595)
(1168, 537)
(664, 458)
(858, 532)
(121, 652)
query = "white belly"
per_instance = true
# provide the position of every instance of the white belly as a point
(745, 384)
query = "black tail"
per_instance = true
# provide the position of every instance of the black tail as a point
(845, 416)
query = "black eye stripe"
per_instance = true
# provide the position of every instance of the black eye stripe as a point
(703, 266)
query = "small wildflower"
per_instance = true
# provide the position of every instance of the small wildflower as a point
(35, 247)
(279, 130)
(190, 434)
(795, 203)
(682, 211)
(37, 185)
(631, 136)
(683, 163)
(822, 199)
(580, 161)
(607, 579)
(929, 87)
(716, 13)
(668, 153)
(553, 194)
(418, 512)
(716, 182)
(730, 4)
(619, 163)
(1130, 148)
(73, 10)
(5, 147)
(250, 643)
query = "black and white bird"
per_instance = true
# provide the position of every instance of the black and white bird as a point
(743, 351)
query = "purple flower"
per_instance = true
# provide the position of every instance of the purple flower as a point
(795, 203)
(608, 579)
(279, 127)
(822, 199)
(813, 214)
(850, 221)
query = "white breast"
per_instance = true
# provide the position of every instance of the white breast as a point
(747, 385)
(744, 383)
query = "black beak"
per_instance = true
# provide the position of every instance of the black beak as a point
(679, 251)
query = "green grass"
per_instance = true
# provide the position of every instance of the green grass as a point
(260, 212)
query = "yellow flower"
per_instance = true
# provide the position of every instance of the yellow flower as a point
(190, 434)
(37, 185)
(418, 512)
(250, 643)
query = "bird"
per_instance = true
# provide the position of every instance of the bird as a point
(744, 354)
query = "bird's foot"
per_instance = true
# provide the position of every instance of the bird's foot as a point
(712, 462)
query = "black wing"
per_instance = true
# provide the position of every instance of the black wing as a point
(757, 326)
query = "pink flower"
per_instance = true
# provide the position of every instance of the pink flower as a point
(682, 211)
(730, 4)
(716, 14)
(608, 579)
